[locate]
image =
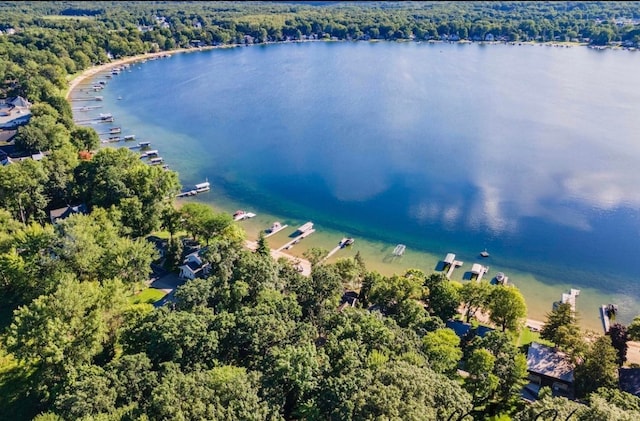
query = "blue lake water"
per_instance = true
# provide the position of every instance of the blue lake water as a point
(531, 152)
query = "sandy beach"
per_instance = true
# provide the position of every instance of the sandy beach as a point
(119, 62)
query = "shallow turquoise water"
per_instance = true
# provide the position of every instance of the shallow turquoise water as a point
(528, 151)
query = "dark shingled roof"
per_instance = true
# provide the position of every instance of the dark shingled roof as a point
(630, 380)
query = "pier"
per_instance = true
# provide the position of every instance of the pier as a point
(570, 298)
(399, 250)
(342, 244)
(297, 239)
(479, 270)
(275, 228)
(606, 313)
(451, 263)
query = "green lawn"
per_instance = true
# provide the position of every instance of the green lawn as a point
(149, 295)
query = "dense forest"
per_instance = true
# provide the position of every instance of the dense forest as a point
(254, 339)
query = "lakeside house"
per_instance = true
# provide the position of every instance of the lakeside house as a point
(14, 112)
(193, 267)
(62, 213)
(548, 366)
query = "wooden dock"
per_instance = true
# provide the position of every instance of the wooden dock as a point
(296, 240)
(570, 298)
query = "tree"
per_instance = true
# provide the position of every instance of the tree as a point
(85, 138)
(391, 292)
(475, 296)
(481, 382)
(399, 390)
(59, 332)
(185, 338)
(634, 329)
(222, 393)
(506, 307)
(22, 190)
(291, 376)
(562, 329)
(442, 348)
(444, 299)
(599, 368)
(263, 248)
(619, 338)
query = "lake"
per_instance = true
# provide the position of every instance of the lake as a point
(530, 152)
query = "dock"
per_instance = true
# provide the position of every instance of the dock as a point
(451, 262)
(479, 270)
(275, 228)
(605, 313)
(570, 298)
(198, 188)
(605, 319)
(399, 250)
(342, 244)
(297, 239)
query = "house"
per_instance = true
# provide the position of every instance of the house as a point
(14, 112)
(161, 244)
(548, 366)
(4, 158)
(349, 299)
(193, 267)
(61, 213)
(629, 380)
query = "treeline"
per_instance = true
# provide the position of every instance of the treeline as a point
(255, 339)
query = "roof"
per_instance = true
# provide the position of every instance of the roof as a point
(629, 379)
(549, 362)
(62, 213)
(462, 328)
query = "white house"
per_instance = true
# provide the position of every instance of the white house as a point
(14, 112)
(193, 267)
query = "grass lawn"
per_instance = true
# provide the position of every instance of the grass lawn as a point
(527, 336)
(149, 295)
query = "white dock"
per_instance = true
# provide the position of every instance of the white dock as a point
(296, 240)
(340, 245)
(570, 298)
(275, 229)
(605, 318)
(450, 261)
(399, 250)
(479, 270)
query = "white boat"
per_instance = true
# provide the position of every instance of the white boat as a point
(144, 144)
(99, 98)
(484, 253)
(203, 187)
(130, 137)
(156, 161)
(105, 116)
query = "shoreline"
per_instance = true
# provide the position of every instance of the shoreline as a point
(91, 72)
